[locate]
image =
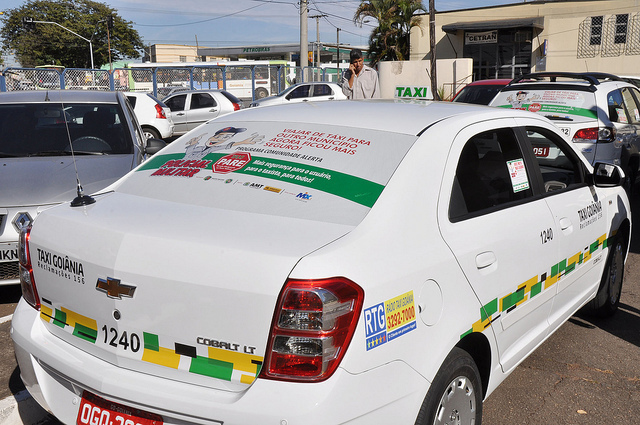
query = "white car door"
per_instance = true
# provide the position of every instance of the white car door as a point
(322, 92)
(299, 94)
(177, 105)
(202, 108)
(499, 234)
(580, 218)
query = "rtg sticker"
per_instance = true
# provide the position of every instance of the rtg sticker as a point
(389, 320)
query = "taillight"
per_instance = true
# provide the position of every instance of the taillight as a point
(236, 107)
(595, 134)
(27, 282)
(160, 112)
(312, 327)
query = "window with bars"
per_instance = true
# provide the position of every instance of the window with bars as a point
(622, 24)
(595, 38)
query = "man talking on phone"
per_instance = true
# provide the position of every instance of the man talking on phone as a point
(360, 81)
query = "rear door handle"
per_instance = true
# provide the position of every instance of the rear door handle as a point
(485, 259)
(566, 225)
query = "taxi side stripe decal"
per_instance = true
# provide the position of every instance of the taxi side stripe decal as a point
(534, 286)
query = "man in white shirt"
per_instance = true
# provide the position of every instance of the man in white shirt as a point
(360, 81)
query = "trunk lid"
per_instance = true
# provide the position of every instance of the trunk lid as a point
(188, 300)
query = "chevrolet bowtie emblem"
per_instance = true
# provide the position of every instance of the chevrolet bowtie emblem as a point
(114, 289)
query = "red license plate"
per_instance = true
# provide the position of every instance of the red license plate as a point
(98, 411)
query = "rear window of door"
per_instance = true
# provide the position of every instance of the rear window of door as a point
(177, 103)
(202, 100)
(322, 90)
(491, 173)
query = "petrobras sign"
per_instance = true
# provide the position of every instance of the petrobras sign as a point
(487, 37)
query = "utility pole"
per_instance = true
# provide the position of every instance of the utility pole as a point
(432, 46)
(338, 48)
(317, 18)
(304, 43)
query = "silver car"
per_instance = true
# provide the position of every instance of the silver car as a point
(191, 108)
(39, 131)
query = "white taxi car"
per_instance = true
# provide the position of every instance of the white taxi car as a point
(599, 113)
(295, 265)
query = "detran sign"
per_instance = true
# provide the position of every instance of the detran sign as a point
(232, 162)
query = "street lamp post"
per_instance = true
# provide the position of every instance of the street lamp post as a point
(31, 21)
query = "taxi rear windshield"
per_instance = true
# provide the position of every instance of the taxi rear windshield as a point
(309, 171)
(563, 104)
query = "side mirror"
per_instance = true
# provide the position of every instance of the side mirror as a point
(153, 146)
(607, 175)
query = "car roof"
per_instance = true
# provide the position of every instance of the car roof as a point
(589, 81)
(198, 91)
(39, 96)
(397, 116)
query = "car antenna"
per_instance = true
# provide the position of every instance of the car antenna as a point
(81, 199)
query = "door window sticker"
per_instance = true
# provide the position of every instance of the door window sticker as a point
(518, 174)
(622, 117)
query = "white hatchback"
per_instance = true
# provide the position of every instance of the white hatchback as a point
(153, 115)
(293, 265)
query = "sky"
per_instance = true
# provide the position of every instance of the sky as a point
(222, 23)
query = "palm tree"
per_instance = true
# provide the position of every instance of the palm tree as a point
(390, 39)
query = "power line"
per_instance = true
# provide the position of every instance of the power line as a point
(204, 20)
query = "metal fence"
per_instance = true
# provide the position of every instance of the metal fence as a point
(244, 81)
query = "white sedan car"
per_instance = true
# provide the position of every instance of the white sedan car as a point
(295, 265)
(304, 92)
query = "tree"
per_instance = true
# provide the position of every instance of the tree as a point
(49, 44)
(390, 39)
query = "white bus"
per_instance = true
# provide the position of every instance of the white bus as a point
(244, 79)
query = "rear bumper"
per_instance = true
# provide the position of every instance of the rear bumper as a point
(56, 374)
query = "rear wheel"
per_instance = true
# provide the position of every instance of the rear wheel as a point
(607, 300)
(261, 93)
(455, 396)
(150, 133)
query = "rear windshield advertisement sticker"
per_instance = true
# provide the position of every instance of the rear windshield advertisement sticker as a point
(550, 102)
(389, 320)
(305, 158)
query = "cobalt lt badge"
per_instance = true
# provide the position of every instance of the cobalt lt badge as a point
(114, 289)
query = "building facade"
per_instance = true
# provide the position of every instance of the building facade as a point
(563, 35)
